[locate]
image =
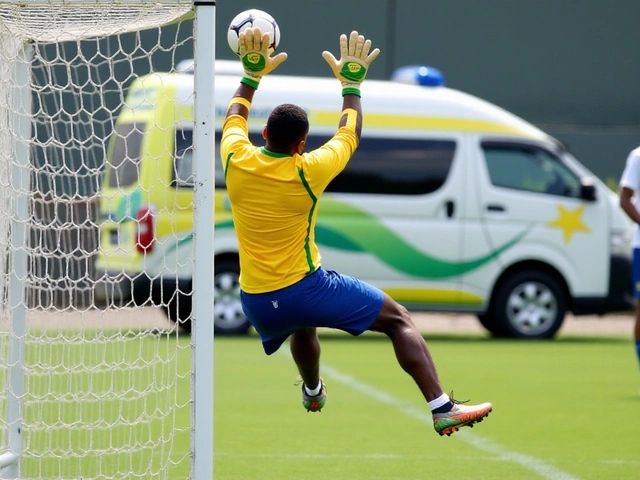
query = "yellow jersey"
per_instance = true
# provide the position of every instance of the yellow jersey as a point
(274, 202)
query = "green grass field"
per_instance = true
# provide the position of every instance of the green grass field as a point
(564, 410)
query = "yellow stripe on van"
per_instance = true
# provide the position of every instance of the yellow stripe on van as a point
(433, 295)
(403, 122)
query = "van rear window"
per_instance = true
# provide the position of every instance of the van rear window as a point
(387, 166)
(392, 166)
(123, 168)
(183, 160)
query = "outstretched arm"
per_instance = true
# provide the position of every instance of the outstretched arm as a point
(351, 70)
(324, 163)
(254, 53)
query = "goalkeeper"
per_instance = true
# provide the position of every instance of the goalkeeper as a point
(274, 193)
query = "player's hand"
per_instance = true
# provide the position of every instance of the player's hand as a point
(254, 53)
(354, 61)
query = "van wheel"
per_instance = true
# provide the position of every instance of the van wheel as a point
(528, 304)
(178, 310)
(229, 319)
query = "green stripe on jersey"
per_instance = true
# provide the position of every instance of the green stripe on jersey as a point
(307, 247)
(226, 166)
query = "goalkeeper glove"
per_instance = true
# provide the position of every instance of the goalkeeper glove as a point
(354, 62)
(254, 52)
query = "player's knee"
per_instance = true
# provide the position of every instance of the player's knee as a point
(403, 322)
(393, 319)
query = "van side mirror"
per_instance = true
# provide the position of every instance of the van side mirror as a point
(588, 189)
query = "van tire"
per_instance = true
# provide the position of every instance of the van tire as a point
(227, 289)
(527, 304)
(227, 274)
(489, 323)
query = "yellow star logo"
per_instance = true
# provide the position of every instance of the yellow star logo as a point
(569, 222)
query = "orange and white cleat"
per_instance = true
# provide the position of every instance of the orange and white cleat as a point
(460, 416)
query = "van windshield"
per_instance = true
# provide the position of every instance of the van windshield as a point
(123, 169)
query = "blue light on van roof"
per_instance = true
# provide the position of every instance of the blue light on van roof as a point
(419, 75)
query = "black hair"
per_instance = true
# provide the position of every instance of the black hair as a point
(287, 126)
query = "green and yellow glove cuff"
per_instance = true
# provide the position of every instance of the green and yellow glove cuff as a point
(350, 89)
(251, 81)
(352, 74)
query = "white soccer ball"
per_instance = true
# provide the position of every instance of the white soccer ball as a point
(253, 18)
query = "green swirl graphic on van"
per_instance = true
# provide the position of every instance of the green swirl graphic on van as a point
(395, 252)
(347, 228)
(350, 229)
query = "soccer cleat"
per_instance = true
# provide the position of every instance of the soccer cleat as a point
(460, 416)
(314, 403)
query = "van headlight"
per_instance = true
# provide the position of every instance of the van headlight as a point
(621, 242)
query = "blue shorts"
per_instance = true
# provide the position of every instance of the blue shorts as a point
(635, 272)
(323, 299)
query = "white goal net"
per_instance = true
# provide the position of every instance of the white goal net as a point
(96, 187)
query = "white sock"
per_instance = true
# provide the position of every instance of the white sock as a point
(438, 402)
(315, 391)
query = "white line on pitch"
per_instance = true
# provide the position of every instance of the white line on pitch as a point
(353, 456)
(391, 456)
(530, 463)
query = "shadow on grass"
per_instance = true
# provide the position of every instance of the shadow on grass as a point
(338, 336)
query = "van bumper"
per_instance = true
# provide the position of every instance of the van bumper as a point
(620, 295)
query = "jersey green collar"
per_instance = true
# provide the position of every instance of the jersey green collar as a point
(274, 154)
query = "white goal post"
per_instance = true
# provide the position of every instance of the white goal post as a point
(92, 386)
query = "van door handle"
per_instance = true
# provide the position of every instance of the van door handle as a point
(450, 208)
(493, 207)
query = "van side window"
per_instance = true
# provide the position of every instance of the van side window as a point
(183, 168)
(123, 169)
(183, 159)
(392, 166)
(529, 168)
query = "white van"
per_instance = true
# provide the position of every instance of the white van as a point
(449, 204)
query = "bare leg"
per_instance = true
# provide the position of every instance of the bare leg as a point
(636, 331)
(305, 349)
(637, 326)
(410, 348)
